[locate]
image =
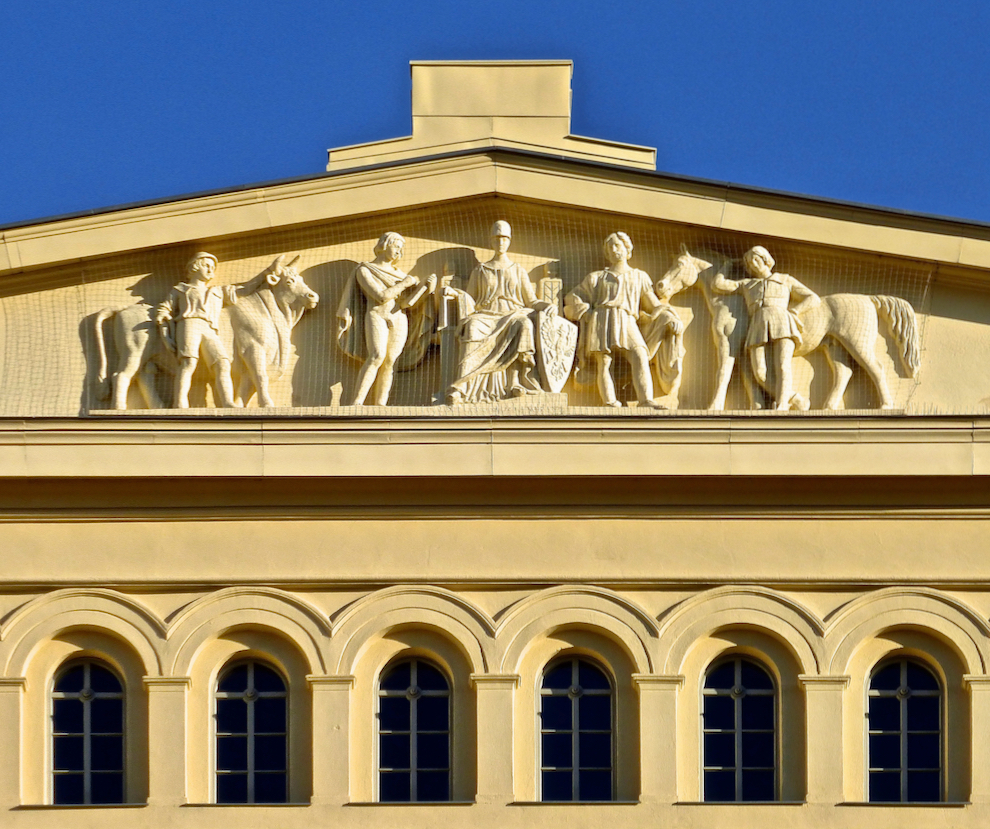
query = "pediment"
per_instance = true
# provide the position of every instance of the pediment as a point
(907, 334)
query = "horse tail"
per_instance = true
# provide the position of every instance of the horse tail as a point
(101, 349)
(902, 324)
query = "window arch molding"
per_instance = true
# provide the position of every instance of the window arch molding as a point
(609, 655)
(945, 662)
(777, 658)
(45, 664)
(388, 648)
(246, 644)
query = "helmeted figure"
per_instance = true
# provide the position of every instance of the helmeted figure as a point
(496, 334)
(189, 323)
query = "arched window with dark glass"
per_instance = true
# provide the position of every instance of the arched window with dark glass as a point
(252, 741)
(413, 734)
(87, 735)
(905, 734)
(739, 717)
(576, 747)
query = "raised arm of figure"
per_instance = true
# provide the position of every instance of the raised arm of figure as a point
(721, 284)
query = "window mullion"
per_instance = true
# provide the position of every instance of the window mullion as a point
(413, 736)
(250, 733)
(575, 735)
(87, 737)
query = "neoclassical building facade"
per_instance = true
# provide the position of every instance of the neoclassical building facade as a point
(492, 471)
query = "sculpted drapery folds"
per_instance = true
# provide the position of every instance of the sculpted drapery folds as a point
(618, 310)
(496, 335)
(372, 323)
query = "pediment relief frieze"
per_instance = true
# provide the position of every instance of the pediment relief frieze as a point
(549, 310)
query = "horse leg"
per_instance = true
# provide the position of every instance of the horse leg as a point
(869, 361)
(840, 362)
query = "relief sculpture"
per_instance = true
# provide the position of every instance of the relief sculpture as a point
(618, 311)
(497, 334)
(173, 337)
(845, 325)
(371, 318)
(502, 337)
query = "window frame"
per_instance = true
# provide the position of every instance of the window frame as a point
(737, 659)
(904, 732)
(86, 662)
(612, 693)
(413, 770)
(232, 665)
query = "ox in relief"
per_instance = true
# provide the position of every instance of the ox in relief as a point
(172, 337)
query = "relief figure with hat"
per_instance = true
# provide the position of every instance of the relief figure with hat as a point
(188, 322)
(775, 302)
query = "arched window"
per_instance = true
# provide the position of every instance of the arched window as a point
(252, 748)
(905, 734)
(413, 734)
(87, 735)
(740, 740)
(576, 732)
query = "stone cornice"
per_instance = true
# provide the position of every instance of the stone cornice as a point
(441, 447)
(488, 172)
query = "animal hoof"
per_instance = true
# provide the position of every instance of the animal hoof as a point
(652, 404)
(614, 404)
(802, 404)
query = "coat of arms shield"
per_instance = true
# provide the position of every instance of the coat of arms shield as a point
(556, 344)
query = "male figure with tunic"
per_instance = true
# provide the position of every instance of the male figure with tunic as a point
(774, 321)
(189, 324)
(496, 334)
(372, 323)
(618, 310)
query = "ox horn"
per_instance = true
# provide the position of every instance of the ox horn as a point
(294, 260)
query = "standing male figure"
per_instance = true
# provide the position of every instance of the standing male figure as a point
(189, 324)
(376, 297)
(611, 305)
(774, 322)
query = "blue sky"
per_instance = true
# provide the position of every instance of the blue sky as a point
(872, 101)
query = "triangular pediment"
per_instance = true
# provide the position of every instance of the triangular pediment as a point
(918, 284)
